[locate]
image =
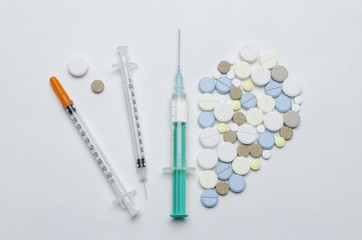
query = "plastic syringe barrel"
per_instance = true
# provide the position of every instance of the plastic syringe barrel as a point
(124, 198)
(125, 67)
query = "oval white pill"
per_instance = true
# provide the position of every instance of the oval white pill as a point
(260, 76)
(236, 83)
(223, 112)
(298, 100)
(78, 67)
(231, 74)
(230, 59)
(260, 128)
(242, 69)
(226, 152)
(268, 60)
(207, 102)
(247, 134)
(266, 103)
(266, 154)
(273, 121)
(234, 127)
(221, 99)
(295, 107)
(216, 74)
(292, 87)
(208, 179)
(207, 158)
(249, 52)
(209, 137)
(254, 116)
(241, 165)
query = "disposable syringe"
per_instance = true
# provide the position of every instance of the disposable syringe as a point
(125, 67)
(179, 121)
(124, 198)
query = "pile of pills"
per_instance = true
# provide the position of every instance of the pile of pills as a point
(248, 107)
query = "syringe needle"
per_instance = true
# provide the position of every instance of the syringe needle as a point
(178, 54)
(144, 185)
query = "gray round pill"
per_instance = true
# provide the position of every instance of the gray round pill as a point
(291, 119)
(256, 150)
(239, 118)
(97, 86)
(236, 93)
(279, 73)
(230, 136)
(222, 188)
(223, 67)
(286, 133)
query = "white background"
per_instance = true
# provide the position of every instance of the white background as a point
(51, 188)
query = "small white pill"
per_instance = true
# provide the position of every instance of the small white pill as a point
(268, 60)
(208, 179)
(266, 154)
(216, 74)
(241, 165)
(260, 128)
(207, 158)
(231, 74)
(266, 103)
(247, 134)
(236, 83)
(78, 67)
(242, 70)
(292, 87)
(207, 102)
(249, 52)
(295, 107)
(226, 152)
(260, 76)
(298, 100)
(209, 137)
(254, 116)
(223, 112)
(273, 121)
(231, 59)
(234, 127)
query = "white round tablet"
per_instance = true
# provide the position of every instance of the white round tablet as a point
(254, 116)
(207, 158)
(266, 154)
(234, 127)
(216, 74)
(231, 74)
(273, 121)
(260, 128)
(266, 103)
(236, 83)
(260, 76)
(221, 99)
(242, 70)
(295, 107)
(292, 87)
(230, 59)
(247, 134)
(241, 165)
(268, 60)
(249, 52)
(208, 179)
(78, 67)
(226, 152)
(298, 100)
(223, 112)
(209, 137)
(207, 102)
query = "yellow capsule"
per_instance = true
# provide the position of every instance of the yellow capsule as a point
(236, 105)
(222, 127)
(248, 86)
(279, 142)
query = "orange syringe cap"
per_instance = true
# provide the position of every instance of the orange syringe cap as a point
(61, 93)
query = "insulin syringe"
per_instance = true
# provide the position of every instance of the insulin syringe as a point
(125, 67)
(124, 198)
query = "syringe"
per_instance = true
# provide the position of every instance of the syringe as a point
(124, 198)
(125, 67)
(179, 121)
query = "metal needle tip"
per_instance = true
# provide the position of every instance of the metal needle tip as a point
(144, 185)
(179, 39)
